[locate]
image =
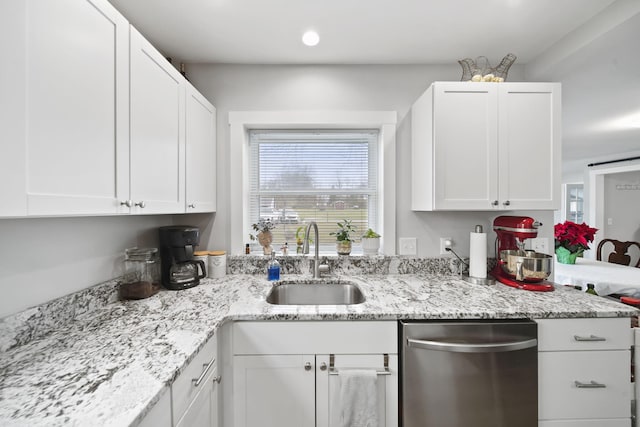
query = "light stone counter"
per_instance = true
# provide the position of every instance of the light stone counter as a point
(109, 364)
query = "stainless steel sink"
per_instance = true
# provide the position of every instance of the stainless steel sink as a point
(315, 293)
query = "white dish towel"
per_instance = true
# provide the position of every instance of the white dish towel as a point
(359, 397)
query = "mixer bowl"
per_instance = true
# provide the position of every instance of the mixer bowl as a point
(526, 266)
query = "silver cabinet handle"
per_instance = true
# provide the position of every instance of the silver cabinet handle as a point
(495, 203)
(590, 384)
(307, 366)
(472, 348)
(127, 203)
(506, 203)
(141, 203)
(197, 381)
(191, 205)
(323, 366)
(589, 338)
(217, 379)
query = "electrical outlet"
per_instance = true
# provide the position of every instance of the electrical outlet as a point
(540, 244)
(445, 242)
(407, 246)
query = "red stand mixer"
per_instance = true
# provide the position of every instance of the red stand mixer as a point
(517, 267)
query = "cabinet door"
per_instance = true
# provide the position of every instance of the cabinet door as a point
(529, 145)
(75, 147)
(200, 152)
(465, 146)
(157, 131)
(274, 391)
(328, 405)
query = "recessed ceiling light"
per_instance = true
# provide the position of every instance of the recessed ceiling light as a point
(310, 38)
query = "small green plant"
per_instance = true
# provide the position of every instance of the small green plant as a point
(344, 231)
(370, 234)
(300, 235)
(262, 226)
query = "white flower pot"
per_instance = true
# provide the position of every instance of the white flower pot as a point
(370, 245)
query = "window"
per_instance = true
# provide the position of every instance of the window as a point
(298, 176)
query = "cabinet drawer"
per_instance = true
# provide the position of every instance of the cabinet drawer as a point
(184, 390)
(584, 334)
(559, 397)
(619, 422)
(315, 337)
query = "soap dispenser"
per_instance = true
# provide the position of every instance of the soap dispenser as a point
(273, 271)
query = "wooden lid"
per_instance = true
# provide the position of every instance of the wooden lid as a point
(200, 253)
(217, 253)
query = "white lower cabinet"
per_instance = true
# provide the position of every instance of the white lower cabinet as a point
(274, 390)
(284, 373)
(194, 394)
(584, 372)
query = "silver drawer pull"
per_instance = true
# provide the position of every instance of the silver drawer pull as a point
(590, 384)
(196, 381)
(589, 338)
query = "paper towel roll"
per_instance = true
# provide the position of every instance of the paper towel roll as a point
(478, 255)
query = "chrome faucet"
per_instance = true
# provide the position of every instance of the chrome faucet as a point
(317, 268)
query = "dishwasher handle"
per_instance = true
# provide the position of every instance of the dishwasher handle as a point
(472, 348)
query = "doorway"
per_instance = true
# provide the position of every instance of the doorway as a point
(613, 200)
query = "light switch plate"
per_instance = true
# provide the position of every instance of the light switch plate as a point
(407, 246)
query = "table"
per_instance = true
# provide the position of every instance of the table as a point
(608, 278)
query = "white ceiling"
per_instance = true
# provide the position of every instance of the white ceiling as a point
(355, 31)
(588, 45)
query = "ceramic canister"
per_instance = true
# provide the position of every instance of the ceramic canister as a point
(217, 264)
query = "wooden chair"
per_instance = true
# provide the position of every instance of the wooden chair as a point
(619, 254)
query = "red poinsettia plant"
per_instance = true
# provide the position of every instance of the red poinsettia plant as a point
(574, 237)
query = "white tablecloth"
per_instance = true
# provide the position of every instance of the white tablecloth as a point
(608, 278)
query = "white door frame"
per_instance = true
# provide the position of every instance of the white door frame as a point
(594, 213)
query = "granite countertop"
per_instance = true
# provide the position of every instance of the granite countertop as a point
(111, 364)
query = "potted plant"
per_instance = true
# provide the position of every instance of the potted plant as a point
(370, 242)
(571, 240)
(264, 236)
(300, 231)
(343, 236)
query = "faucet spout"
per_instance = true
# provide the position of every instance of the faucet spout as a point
(305, 247)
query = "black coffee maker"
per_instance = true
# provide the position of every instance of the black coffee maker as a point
(179, 269)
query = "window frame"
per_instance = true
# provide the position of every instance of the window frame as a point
(240, 122)
(299, 138)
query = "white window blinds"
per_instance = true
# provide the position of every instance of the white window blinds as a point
(322, 176)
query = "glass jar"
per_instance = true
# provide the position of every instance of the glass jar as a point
(141, 273)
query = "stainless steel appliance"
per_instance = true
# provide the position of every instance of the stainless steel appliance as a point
(179, 269)
(469, 373)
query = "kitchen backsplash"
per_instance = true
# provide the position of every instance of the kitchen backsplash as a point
(38, 321)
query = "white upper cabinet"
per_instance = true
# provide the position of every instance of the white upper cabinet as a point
(69, 123)
(201, 153)
(157, 131)
(94, 117)
(486, 146)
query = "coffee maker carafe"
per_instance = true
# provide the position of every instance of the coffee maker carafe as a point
(179, 269)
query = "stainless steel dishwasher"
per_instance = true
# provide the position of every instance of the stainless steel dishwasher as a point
(469, 373)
